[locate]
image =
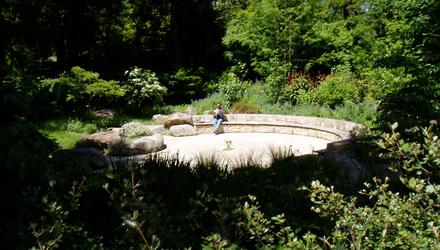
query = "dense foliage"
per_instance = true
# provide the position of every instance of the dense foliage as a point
(347, 51)
(75, 89)
(376, 62)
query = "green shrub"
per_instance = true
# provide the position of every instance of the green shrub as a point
(380, 82)
(75, 125)
(394, 219)
(283, 91)
(276, 83)
(416, 158)
(77, 88)
(142, 86)
(364, 112)
(210, 102)
(185, 84)
(232, 87)
(257, 93)
(337, 89)
(243, 107)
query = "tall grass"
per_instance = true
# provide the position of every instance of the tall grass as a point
(256, 95)
(204, 105)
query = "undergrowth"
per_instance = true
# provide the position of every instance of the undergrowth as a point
(256, 100)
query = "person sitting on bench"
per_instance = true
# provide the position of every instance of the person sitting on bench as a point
(218, 118)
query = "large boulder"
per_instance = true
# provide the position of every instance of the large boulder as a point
(182, 130)
(159, 118)
(156, 129)
(117, 130)
(148, 144)
(350, 167)
(178, 119)
(105, 113)
(105, 139)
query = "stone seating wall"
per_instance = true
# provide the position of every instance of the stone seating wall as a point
(324, 128)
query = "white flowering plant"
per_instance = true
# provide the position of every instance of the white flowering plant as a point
(143, 86)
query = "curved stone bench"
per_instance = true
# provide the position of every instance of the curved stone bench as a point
(329, 129)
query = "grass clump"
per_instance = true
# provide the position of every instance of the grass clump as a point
(244, 107)
(75, 125)
(65, 139)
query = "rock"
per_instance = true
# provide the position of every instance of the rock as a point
(159, 119)
(350, 167)
(182, 130)
(178, 119)
(105, 139)
(339, 146)
(133, 129)
(156, 129)
(203, 118)
(105, 114)
(148, 144)
(117, 130)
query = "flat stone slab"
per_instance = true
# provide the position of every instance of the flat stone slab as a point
(236, 148)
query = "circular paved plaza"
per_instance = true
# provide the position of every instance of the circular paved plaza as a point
(234, 149)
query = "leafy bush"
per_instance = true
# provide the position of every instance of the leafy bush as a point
(78, 87)
(75, 125)
(57, 228)
(276, 83)
(232, 87)
(364, 112)
(393, 220)
(283, 89)
(185, 84)
(380, 82)
(415, 159)
(142, 86)
(209, 103)
(337, 89)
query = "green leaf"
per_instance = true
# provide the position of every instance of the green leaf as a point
(412, 182)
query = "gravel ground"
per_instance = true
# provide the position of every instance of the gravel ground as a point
(236, 148)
